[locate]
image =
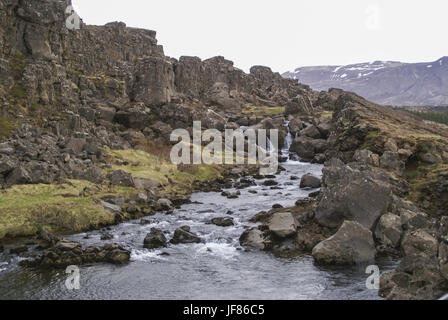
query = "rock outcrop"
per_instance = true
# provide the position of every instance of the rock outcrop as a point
(352, 244)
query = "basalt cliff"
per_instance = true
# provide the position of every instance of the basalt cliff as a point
(85, 123)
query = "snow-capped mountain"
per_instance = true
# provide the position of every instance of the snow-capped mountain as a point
(385, 82)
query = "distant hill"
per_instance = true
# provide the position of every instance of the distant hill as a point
(384, 82)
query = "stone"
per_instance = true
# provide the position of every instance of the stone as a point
(183, 235)
(351, 244)
(164, 205)
(362, 195)
(222, 222)
(282, 224)
(154, 240)
(255, 239)
(311, 131)
(303, 146)
(146, 184)
(431, 158)
(121, 178)
(420, 243)
(391, 161)
(269, 183)
(310, 181)
(389, 231)
(18, 249)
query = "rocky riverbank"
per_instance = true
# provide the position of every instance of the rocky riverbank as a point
(375, 200)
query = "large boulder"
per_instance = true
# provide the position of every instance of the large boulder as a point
(352, 244)
(389, 230)
(121, 178)
(311, 131)
(310, 181)
(353, 193)
(183, 235)
(420, 243)
(223, 222)
(255, 239)
(282, 224)
(155, 239)
(303, 146)
(146, 184)
(391, 161)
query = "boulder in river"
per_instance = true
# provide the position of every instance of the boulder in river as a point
(282, 224)
(255, 239)
(223, 222)
(310, 181)
(352, 244)
(18, 249)
(155, 239)
(183, 235)
(66, 253)
(164, 205)
(269, 183)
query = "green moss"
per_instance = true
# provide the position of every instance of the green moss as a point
(75, 73)
(370, 139)
(6, 128)
(261, 111)
(26, 209)
(141, 164)
(35, 107)
(17, 65)
(326, 115)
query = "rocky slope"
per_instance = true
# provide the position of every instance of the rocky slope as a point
(384, 82)
(384, 192)
(85, 117)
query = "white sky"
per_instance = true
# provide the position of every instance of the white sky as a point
(285, 34)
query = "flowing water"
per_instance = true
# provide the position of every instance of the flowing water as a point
(217, 268)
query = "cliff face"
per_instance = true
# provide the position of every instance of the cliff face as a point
(76, 91)
(119, 66)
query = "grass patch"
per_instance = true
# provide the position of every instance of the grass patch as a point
(174, 179)
(6, 127)
(370, 139)
(261, 111)
(326, 115)
(27, 209)
(75, 73)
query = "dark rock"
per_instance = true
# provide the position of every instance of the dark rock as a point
(155, 239)
(222, 222)
(18, 249)
(269, 183)
(352, 244)
(255, 239)
(310, 181)
(183, 235)
(349, 193)
(121, 178)
(106, 236)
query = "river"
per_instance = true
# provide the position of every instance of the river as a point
(217, 268)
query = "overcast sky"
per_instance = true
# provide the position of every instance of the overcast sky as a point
(285, 34)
